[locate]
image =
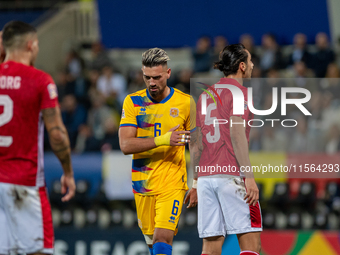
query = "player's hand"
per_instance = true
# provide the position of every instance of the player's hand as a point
(192, 197)
(179, 138)
(67, 185)
(252, 195)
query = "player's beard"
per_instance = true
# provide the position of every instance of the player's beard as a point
(156, 93)
(247, 73)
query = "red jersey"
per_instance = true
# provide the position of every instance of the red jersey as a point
(24, 92)
(218, 156)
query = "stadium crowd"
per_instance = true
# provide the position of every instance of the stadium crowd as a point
(91, 92)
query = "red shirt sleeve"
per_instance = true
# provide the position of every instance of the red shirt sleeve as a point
(49, 92)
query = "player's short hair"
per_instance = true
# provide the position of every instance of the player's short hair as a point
(230, 58)
(155, 57)
(13, 34)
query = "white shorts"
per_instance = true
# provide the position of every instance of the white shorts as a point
(25, 220)
(222, 209)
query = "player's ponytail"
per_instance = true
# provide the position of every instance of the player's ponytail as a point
(230, 58)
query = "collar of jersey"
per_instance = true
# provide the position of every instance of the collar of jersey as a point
(230, 81)
(164, 100)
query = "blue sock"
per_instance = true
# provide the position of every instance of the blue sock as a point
(162, 248)
(151, 251)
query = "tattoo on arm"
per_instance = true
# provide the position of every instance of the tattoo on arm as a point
(57, 128)
(61, 149)
(49, 114)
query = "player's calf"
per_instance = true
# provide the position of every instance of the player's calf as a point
(212, 245)
(250, 243)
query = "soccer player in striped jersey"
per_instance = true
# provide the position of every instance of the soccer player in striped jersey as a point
(155, 126)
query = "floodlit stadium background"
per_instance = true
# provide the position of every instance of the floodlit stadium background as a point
(81, 42)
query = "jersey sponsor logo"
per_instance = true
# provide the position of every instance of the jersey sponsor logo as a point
(52, 90)
(174, 112)
(245, 105)
(123, 114)
(142, 111)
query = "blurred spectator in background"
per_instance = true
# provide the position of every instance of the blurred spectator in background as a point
(92, 136)
(298, 77)
(219, 43)
(183, 83)
(272, 81)
(330, 111)
(202, 55)
(100, 57)
(333, 140)
(274, 139)
(137, 81)
(299, 141)
(97, 116)
(271, 56)
(332, 82)
(62, 81)
(74, 64)
(86, 141)
(258, 86)
(300, 52)
(73, 116)
(255, 143)
(79, 88)
(112, 86)
(110, 141)
(324, 55)
(93, 76)
(248, 41)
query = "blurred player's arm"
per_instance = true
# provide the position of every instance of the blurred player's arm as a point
(240, 146)
(196, 148)
(130, 144)
(60, 144)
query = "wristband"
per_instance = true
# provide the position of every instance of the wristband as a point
(163, 139)
(194, 184)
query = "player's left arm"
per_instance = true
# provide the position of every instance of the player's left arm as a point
(196, 148)
(240, 146)
(195, 151)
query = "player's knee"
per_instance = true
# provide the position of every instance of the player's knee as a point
(163, 236)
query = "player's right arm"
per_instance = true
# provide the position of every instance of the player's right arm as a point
(129, 142)
(240, 146)
(61, 147)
